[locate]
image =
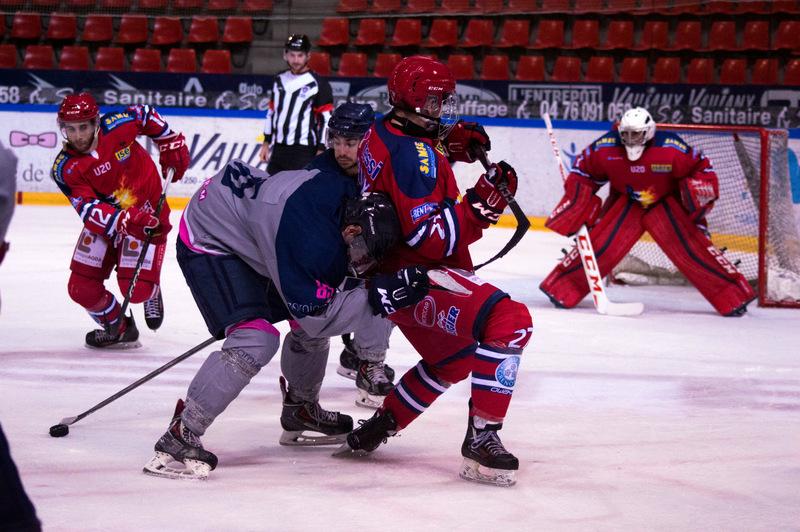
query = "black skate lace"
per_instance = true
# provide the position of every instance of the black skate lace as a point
(151, 307)
(376, 372)
(490, 441)
(190, 437)
(320, 414)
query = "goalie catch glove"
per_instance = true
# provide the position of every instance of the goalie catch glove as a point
(391, 292)
(485, 199)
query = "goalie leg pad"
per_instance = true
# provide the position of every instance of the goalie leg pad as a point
(224, 374)
(612, 238)
(696, 257)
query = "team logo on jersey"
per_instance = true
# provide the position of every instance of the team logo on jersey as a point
(425, 312)
(421, 210)
(324, 291)
(506, 372)
(447, 322)
(372, 167)
(123, 154)
(661, 168)
(76, 201)
(427, 159)
(238, 178)
(117, 119)
(675, 143)
(58, 166)
(645, 197)
(638, 169)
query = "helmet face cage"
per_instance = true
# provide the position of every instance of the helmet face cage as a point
(636, 128)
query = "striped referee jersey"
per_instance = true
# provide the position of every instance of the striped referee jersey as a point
(300, 109)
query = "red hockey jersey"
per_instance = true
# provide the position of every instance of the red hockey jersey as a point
(437, 227)
(658, 173)
(117, 174)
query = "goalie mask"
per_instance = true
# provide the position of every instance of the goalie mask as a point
(636, 128)
(425, 87)
(380, 229)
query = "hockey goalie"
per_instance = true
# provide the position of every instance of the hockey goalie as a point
(659, 184)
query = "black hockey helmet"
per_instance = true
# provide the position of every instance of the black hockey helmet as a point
(380, 229)
(351, 120)
(297, 42)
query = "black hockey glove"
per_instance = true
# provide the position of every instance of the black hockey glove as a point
(485, 199)
(391, 292)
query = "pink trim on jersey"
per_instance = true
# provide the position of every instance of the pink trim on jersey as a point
(294, 325)
(259, 323)
(185, 234)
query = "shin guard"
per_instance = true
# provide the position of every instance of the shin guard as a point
(697, 259)
(612, 238)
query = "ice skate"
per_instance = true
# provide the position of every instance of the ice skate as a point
(486, 460)
(103, 339)
(369, 435)
(179, 445)
(307, 423)
(372, 384)
(154, 311)
(349, 361)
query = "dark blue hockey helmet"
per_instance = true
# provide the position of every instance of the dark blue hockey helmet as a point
(351, 120)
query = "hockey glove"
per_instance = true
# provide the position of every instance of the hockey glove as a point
(698, 196)
(174, 154)
(136, 223)
(464, 140)
(485, 199)
(391, 292)
(579, 206)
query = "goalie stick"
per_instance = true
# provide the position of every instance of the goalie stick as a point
(586, 252)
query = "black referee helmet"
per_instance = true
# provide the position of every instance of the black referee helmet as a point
(297, 42)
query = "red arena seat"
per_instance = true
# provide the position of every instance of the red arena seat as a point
(385, 63)
(110, 58)
(335, 32)
(182, 60)
(514, 33)
(787, 36)
(600, 69)
(74, 58)
(462, 66)
(371, 32)
(97, 29)
(479, 32)
(258, 7)
(585, 34)
(353, 64)
(216, 62)
(203, 30)
(320, 62)
(132, 30)
(633, 70)
(352, 6)
(444, 32)
(765, 72)
(495, 67)
(454, 6)
(667, 70)
(567, 69)
(238, 30)
(221, 6)
(26, 27)
(420, 6)
(385, 6)
(522, 6)
(733, 71)
(791, 73)
(655, 36)
(167, 31)
(688, 36)
(530, 68)
(549, 35)
(62, 27)
(407, 32)
(38, 56)
(619, 35)
(700, 71)
(146, 60)
(755, 35)
(8, 56)
(722, 36)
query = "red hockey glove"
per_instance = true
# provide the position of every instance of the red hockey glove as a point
(174, 154)
(579, 206)
(486, 201)
(698, 196)
(391, 292)
(464, 140)
(136, 223)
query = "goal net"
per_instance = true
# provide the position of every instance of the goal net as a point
(753, 220)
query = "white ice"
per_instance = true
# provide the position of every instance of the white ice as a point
(675, 420)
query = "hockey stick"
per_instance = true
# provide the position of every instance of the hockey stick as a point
(62, 428)
(586, 251)
(145, 246)
(519, 215)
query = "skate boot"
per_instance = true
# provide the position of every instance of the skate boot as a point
(372, 384)
(485, 459)
(349, 361)
(154, 311)
(369, 435)
(179, 444)
(127, 338)
(297, 417)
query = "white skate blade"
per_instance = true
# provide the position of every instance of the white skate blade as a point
(474, 472)
(192, 470)
(367, 400)
(301, 438)
(347, 373)
(345, 451)
(120, 345)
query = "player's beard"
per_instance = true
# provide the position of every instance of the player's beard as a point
(349, 166)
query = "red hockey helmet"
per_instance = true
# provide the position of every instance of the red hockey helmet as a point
(78, 108)
(424, 86)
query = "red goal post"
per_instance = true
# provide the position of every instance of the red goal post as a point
(753, 220)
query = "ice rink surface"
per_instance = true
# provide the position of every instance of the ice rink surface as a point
(674, 420)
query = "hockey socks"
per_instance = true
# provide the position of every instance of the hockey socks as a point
(106, 312)
(415, 392)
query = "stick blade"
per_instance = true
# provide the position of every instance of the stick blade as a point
(621, 309)
(69, 420)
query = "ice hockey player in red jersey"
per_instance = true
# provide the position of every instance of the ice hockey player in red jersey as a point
(113, 184)
(478, 330)
(659, 184)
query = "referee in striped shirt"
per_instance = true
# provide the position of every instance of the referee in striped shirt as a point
(298, 114)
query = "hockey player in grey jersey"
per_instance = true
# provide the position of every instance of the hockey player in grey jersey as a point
(251, 259)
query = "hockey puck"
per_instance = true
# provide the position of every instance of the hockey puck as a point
(59, 431)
